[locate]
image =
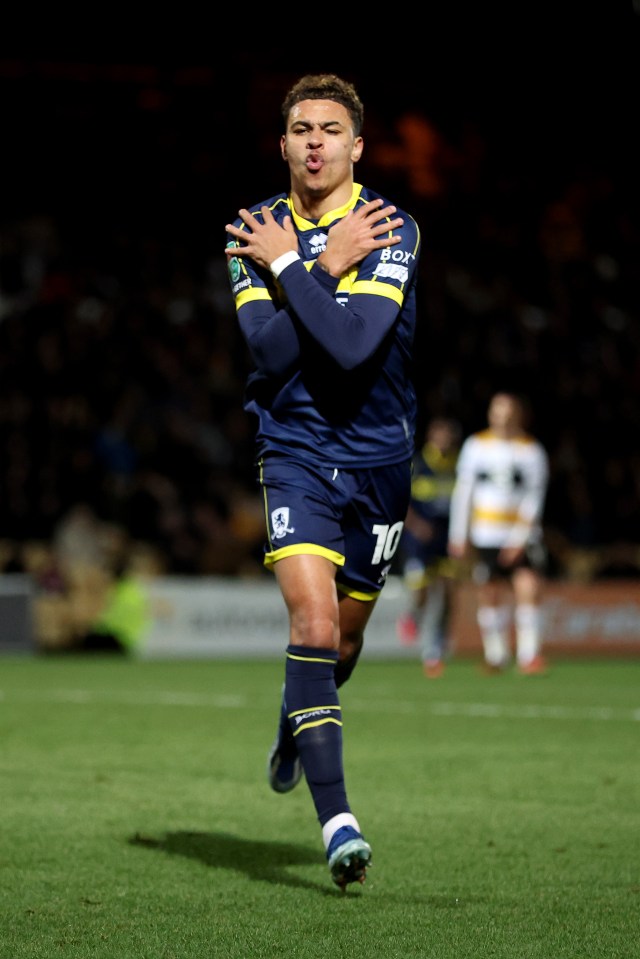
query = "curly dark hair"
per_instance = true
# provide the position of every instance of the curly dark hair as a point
(325, 86)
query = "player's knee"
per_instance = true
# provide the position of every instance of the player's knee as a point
(315, 632)
(526, 586)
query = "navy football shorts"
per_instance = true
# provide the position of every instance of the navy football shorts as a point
(353, 517)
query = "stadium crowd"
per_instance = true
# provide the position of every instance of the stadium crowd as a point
(122, 367)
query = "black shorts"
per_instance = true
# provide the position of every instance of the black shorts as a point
(487, 567)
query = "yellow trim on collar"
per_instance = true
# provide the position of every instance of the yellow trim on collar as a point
(327, 218)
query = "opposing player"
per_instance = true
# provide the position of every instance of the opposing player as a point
(324, 278)
(429, 574)
(496, 510)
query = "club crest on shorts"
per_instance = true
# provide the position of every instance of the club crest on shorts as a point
(280, 522)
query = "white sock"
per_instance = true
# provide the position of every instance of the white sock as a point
(494, 629)
(528, 633)
(337, 822)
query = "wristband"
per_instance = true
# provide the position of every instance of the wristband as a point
(281, 262)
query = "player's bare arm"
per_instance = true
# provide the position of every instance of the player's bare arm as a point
(263, 242)
(357, 234)
(459, 550)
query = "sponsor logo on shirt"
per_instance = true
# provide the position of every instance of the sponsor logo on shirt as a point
(240, 286)
(394, 264)
(392, 271)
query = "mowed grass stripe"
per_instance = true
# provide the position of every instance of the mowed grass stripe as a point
(484, 710)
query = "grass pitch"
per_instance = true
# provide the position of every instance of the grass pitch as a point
(503, 813)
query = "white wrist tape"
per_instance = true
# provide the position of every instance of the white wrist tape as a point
(283, 261)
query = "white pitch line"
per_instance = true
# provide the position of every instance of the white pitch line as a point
(120, 698)
(236, 701)
(536, 712)
(499, 711)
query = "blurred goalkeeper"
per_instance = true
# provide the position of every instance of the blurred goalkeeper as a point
(323, 277)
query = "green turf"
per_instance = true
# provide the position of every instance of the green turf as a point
(503, 813)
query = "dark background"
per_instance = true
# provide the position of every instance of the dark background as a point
(124, 154)
(130, 129)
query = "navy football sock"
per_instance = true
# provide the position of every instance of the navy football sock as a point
(316, 720)
(343, 671)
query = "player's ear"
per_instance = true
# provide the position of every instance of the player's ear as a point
(283, 147)
(356, 151)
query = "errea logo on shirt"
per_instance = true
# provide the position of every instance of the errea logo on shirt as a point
(318, 243)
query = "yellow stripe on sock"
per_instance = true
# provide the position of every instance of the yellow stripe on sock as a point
(309, 659)
(319, 722)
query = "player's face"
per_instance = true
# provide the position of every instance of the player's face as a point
(504, 412)
(442, 436)
(320, 147)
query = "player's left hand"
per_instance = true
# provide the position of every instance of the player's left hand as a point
(359, 233)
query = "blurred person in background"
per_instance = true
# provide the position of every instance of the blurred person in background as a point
(428, 572)
(323, 277)
(496, 513)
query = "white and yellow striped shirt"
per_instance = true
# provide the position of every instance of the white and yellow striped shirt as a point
(499, 492)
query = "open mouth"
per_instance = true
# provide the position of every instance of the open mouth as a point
(314, 162)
